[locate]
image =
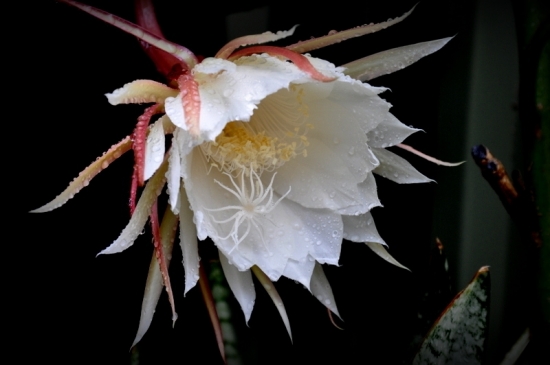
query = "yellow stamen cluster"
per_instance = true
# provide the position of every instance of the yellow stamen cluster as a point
(274, 135)
(238, 147)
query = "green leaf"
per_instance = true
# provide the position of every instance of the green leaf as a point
(458, 336)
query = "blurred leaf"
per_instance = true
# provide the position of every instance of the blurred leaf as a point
(458, 336)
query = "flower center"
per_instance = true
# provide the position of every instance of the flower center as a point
(275, 134)
(238, 147)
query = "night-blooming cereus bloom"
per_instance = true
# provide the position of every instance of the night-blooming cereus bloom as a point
(272, 156)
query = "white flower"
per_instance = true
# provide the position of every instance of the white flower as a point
(271, 159)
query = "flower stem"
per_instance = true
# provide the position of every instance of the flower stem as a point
(212, 312)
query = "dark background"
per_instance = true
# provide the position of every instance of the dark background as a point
(71, 306)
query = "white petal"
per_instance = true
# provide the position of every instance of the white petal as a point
(320, 288)
(396, 168)
(185, 143)
(300, 271)
(381, 251)
(338, 119)
(392, 60)
(154, 284)
(389, 133)
(275, 297)
(173, 176)
(153, 290)
(141, 213)
(352, 100)
(154, 148)
(288, 231)
(337, 156)
(141, 91)
(188, 243)
(320, 180)
(241, 285)
(361, 228)
(174, 110)
(367, 198)
(231, 91)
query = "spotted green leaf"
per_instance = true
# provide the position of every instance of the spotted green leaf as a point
(458, 336)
